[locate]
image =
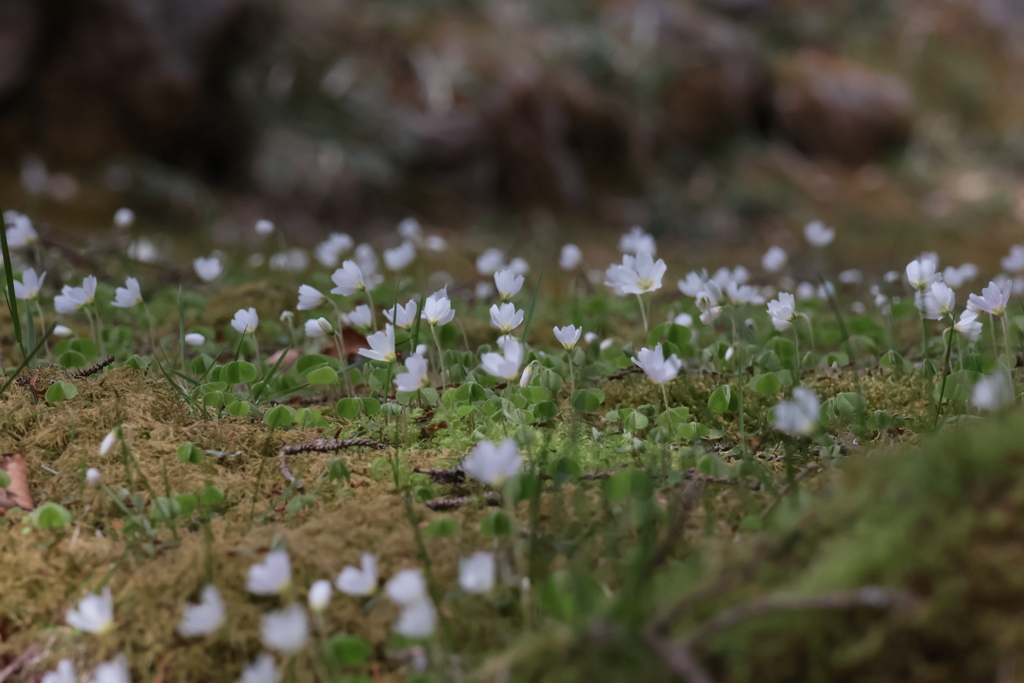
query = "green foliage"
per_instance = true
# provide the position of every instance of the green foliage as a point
(61, 391)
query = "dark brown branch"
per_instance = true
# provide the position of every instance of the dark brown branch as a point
(320, 446)
(442, 504)
(442, 476)
(82, 374)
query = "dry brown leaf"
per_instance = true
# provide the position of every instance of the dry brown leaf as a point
(17, 494)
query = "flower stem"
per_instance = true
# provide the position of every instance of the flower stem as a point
(572, 374)
(440, 356)
(1010, 361)
(643, 313)
(373, 312)
(924, 337)
(945, 372)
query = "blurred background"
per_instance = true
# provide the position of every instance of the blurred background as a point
(721, 126)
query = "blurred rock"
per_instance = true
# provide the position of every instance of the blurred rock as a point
(834, 107)
(120, 76)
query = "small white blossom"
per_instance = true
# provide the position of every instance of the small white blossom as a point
(851, 276)
(203, 618)
(208, 269)
(993, 299)
(477, 572)
(401, 256)
(654, 364)
(636, 274)
(112, 671)
(62, 331)
(800, 416)
(263, 669)
(264, 227)
(508, 283)
(505, 317)
(418, 620)
(435, 243)
(819, 235)
(359, 581)
(309, 298)
(71, 299)
(402, 317)
(637, 241)
(94, 613)
(504, 365)
(108, 441)
(330, 250)
(28, 288)
(992, 392)
(415, 377)
(124, 218)
(349, 279)
(407, 587)
(361, 317)
(64, 673)
(143, 250)
(568, 336)
(20, 234)
(570, 257)
(493, 464)
(782, 311)
(129, 295)
(437, 309)
(319, 595)
(490, 262)
(272, 576)
(921, 274)
(774, 259)
(382, 345)
(93, 477)
(285, 630)
(939, 301)
(195, 339)
(245, 321)
(969, 326)
(519, 266)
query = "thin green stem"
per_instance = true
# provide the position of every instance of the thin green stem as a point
(373, 312)
(945, 372)
(1010, 361)
(643, 314)
(440, 356)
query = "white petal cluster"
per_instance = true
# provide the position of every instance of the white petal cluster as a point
(493, 463)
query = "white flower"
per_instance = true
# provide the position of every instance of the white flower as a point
(62, 331)
(407, 587)
(415, 377)
(411, 230)
(570, 257)
(490, 262)
(505, 317)
(800, 416)
(382, 345)
(591, 337)
(508, 283)
(992, 392)
(939, 301)
(493, 464)
(782, 311)
(683, 320)
(286, 316)
(805, 291)
(435, 243)
(959, 276)
(636, 274)
(519, 266)
(636, 241)
(1014, 263)
(437, 309)
(330, 250)
(476, 573)
(417, 620)
(349, 279)
(738, 294)
(319, 328)
(319, 595)
(568, 336)
(262, 670)
(401, 256)
(483, 290)
(921, 274)
(272, 576)
(819, 235)
(606, 344)
(94, 613)
(403, 317)
(208, 269)
(245, 321)
(969, 326)
(203, 618)
(124, 218)
(524, 379)
(851, 276)
(993, 299)
(64, 673)
(195, 339)
(93, 477)
(309, 298)
(693, 284)
(28, 288)
(129, 295)
(285, 630)
(774, 259)
(143, 250)
(71, 299)
(361, 317)
(264, 227)
(658, 368)
(21, 233)
(504, 365)
(359, 582)
(112, 671)
(294, 259)
(108, 441)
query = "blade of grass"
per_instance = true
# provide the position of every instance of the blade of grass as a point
(28, 358)
(12, 301)
(533, 305)
(181, 329)
(273, 371)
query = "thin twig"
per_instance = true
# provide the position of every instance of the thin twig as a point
(82, 374)
(454, 503)
(809, 468)
(320, 446)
